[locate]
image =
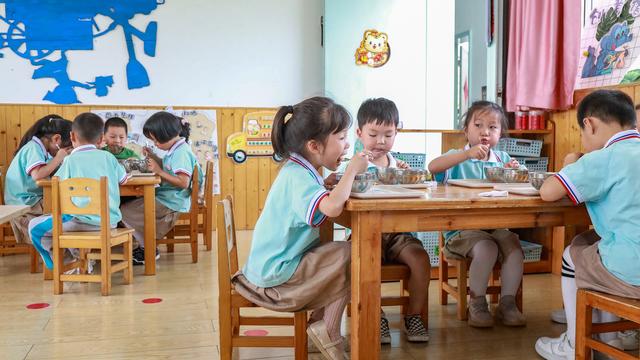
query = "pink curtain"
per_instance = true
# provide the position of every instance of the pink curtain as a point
(544, 45)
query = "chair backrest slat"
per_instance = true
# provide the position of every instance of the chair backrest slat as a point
(227, 249)
(1, 185)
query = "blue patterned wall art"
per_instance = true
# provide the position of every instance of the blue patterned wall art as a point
(43, 31)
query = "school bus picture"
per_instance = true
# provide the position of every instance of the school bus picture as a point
(255, 138)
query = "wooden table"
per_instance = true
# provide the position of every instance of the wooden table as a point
(10, 212)
(136, 186)
(442, 208)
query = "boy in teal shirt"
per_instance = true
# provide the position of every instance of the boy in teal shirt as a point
(85, 161)
(606, 259)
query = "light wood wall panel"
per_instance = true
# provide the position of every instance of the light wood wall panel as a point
(567, 128)
(249, 182)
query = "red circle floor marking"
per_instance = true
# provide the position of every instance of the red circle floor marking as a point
(36, 306)
(256, 333)
(152, 300)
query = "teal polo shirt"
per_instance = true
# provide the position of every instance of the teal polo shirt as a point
(19, 186)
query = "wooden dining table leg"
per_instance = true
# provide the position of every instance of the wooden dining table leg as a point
(365, 284)
(149, 230)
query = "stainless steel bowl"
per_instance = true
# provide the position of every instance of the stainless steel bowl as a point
(536, 178)
(363, 182)
(513, 175)
(135, 164)
(389, 176)
(414, 176)
(494, 173)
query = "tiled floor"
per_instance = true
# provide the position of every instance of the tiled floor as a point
(81, 324)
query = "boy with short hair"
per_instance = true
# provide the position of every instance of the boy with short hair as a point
(115, 137)
(606, 259)
(86, 134)
(378, 121)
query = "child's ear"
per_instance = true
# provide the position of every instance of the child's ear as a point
(359, 132)
(314, 147)
(589, 125)
(56, 139)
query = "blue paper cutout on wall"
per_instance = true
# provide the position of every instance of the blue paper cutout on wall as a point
(42, 31)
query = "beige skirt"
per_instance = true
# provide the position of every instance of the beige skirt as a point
(459, 246)
(591, 273)
(20, 225)
(133, 217)
(322, 276)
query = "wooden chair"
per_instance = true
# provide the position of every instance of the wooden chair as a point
(187, 233)
(625, 308)
(230, 302)
(104, 240)
(461, 290)
(8, 243)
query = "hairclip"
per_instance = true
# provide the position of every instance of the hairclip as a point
(289, 114)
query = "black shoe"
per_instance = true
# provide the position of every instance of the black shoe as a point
(138, 256)
(157, 254)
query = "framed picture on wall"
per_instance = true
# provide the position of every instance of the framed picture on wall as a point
(461, 76)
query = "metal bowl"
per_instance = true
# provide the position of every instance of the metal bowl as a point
(414, 176)
(536, 178)
(363, 182)
(513, 175)
(131, 165)
(494, 173)
(388, 175)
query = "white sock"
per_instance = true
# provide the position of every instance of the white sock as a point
(569, 294)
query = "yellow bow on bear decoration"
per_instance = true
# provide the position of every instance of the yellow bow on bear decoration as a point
(374, 50)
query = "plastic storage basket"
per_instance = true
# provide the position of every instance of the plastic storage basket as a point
(534, 164)
(532, 251)
(414, 160)
(520, 147)
(429, 240)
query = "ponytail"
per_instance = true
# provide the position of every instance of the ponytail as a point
(186, 128)
(284, 114)
(48, 126)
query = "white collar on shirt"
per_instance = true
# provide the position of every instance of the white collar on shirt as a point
(622, 134)
(39, 142)
(300, 160)
(84, 148)
(176, 145)
(492, 155)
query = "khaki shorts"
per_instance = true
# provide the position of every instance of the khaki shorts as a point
(591, 273)
(20, 225)
(394, 243)
(459, 246)
(322, 276)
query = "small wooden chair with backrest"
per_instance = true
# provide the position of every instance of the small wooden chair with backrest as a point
(625, 308)
(187, 233)
(460, 290)
(230, 302)
(8, 243)
(97, 196)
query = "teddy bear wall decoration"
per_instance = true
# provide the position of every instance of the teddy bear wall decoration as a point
(374, 50)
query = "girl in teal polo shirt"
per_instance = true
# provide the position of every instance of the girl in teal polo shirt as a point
(173, 196)
(288, 269)
(39, 154)
(484, 124)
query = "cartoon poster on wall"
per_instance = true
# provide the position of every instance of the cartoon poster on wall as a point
(203, 138)
(255, 138)
(609, 50)
(374, 50)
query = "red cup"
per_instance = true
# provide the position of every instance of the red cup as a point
(522, 120)
(536, 120)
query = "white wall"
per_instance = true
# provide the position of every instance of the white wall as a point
(471, 16)
(223, 52)
(402, 79)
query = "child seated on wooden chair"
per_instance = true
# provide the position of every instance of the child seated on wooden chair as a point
(85, 161)
(484, 124)
(606, 259)
(378, 121)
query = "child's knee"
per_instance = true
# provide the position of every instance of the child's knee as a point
(485, 249)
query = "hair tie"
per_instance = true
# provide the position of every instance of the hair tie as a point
(183, 121)
(289, 114)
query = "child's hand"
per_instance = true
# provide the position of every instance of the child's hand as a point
(359, 162)
(401, 164)
(571, 158)
(153, 166)
(61, 154)
(478, 152)
(512, 164)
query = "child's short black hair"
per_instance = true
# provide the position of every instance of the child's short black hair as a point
(88, 127)
(481, 106)
(165, 126)
(609, 106)
(379, 110)
(116, 122)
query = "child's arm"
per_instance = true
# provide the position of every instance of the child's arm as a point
(333, 204)
(447, 161)
(46, 170)
(181, 180)
(552, 189)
